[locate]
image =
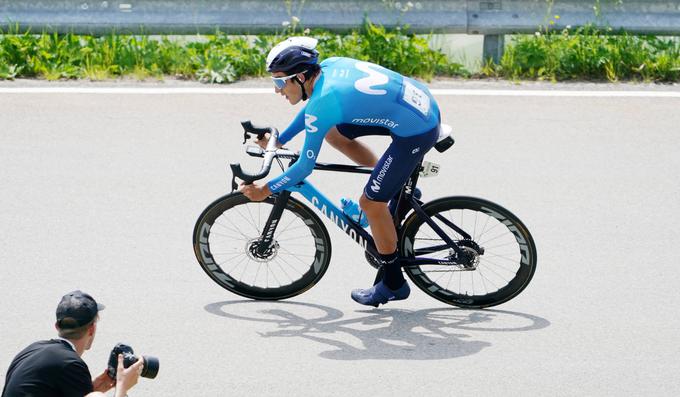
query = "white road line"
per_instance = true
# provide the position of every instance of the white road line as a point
(259, 91)
(555, 93)
(135, 90)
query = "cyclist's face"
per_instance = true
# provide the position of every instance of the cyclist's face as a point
(291, 90)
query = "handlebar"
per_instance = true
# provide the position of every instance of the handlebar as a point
(249, 128)
(269, 153)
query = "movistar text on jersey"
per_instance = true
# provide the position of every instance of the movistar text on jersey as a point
(386, 122)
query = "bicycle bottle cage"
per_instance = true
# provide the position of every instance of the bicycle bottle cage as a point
(445, 139)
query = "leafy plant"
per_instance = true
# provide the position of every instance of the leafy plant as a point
(584, 53)
(590, 54)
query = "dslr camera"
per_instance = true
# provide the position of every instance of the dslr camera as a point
(151, 363)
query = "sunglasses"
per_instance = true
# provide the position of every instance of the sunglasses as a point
(280, 82)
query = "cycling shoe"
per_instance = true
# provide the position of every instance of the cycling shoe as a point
(380, 294)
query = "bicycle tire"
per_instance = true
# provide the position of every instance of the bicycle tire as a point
(502, 273)
(209, 243)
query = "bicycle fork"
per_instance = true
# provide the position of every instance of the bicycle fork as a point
(266, 240)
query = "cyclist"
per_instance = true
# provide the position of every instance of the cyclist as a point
(349, 98)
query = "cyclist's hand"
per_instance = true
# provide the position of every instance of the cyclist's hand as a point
(255, 192)
(263, 142)
(126, 378)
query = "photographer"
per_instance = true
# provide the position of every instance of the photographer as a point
(54, 367)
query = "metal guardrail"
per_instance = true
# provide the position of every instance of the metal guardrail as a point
(492, 18)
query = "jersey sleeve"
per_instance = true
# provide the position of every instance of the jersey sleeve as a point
(75, 381)
(320, 117)
(297, 125)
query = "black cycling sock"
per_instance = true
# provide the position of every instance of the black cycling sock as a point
(393, 278)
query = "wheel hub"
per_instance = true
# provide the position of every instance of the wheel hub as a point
(253, 250)
(471, 253)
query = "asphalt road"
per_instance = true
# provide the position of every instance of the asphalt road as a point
(100, 192)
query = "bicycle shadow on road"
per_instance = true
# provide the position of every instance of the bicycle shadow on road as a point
(387, 334)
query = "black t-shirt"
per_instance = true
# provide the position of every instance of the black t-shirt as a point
(47, 368)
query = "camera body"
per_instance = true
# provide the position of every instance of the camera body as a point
(151, 364)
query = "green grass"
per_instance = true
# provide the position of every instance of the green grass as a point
(588, 54)
(213, 59)
(580, 54)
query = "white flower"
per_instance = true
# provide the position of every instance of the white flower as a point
(306, 31)
(295, 19)
(568, 26)
(285, 23)
(538, 34)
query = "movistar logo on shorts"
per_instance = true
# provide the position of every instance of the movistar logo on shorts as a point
(375, 183)
(309, 119)
(386, 122)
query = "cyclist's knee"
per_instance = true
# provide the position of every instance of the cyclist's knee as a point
(369, 206)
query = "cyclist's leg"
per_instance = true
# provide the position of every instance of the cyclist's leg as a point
(342, 137)
(387, 179)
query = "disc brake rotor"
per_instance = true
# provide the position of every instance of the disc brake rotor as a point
(253, 250)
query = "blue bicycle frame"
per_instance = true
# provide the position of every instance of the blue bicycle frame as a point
(336, 215)
(358, 233)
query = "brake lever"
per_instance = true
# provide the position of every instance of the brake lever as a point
(234, 185)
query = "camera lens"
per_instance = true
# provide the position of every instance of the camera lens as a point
(151, 366)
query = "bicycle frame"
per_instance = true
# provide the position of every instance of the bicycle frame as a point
(357, 233)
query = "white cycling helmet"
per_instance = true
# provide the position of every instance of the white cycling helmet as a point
(293, 55)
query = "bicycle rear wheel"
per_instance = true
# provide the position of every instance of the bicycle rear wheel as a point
(225, 240)
(502, 250)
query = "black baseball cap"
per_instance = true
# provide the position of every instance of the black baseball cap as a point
(76, 309)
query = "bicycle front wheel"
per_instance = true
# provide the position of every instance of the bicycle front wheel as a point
(501, 250)
(225, 243)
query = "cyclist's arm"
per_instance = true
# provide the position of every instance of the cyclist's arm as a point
(316, 128)
(295, 127)
(303, 166)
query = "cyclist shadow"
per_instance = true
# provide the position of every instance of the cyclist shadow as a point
(428, 334)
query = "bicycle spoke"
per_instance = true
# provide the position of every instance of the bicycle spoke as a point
(507, 258)
(495, 238)
(496, 273)
(237, 230)
(289, 264)
(237, 265)
(256, 226)
(247, 221)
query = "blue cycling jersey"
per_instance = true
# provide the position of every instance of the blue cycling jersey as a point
(349, 91)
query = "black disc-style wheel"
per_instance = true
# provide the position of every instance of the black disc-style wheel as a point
(498, 260)
(226, 244)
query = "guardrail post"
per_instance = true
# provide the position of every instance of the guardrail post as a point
(493, 47)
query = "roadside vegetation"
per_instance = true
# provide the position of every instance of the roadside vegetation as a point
(587, 54)
(571, 54)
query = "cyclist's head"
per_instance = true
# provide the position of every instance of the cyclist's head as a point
(291, 57)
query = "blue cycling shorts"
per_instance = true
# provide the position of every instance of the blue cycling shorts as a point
(352, 131)
(397, 163)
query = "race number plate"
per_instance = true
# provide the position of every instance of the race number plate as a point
(429, 169)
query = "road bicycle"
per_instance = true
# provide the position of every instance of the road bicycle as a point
(463, 251)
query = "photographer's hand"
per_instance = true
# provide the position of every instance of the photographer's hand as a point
(126, 378)
(103, 383)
